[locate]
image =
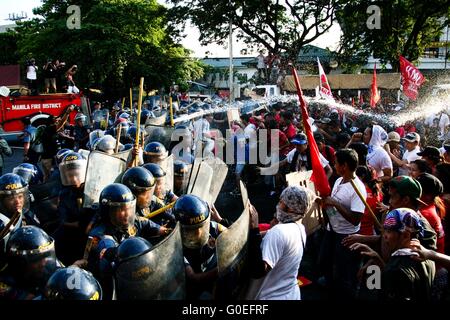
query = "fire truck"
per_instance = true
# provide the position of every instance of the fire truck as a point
(37, 108)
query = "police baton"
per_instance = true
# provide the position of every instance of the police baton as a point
(374, 217)
(14, 219)
(138, 120)
(160, 210)
(116, 149)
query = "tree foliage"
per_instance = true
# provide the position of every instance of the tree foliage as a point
(118, 42)
(276, 25)
(408, 27)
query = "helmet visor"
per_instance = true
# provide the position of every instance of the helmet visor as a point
(25, 173)
(73, 173)
(122, 214)
(13, 201)
(195, 236)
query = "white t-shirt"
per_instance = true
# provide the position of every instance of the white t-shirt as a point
(346, 196)
(261, 63)
(379, 160)
(302, 158)
(250, 134)
(282, 249)
(31, 72)
(444, 121)
(409, 156)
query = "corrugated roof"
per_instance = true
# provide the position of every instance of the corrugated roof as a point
(5, 27)
(224, 62)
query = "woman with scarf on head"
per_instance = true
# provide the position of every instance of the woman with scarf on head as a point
(375, 137)
(278, 255)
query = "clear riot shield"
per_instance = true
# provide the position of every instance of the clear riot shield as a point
(124, 155)
(167, 166)
(232, 264)
(200, 179)
(5, 234)
(220, 170)
(159, 120)
(313, 218)
(102, 169)
(96, 134)
(158, 274)
(159, 134)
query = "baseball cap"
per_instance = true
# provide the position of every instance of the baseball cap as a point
(393, 137)
(406, 186)
(430, 184)
(403, 219)
(412, 137)
(299, 139)
(430, 152)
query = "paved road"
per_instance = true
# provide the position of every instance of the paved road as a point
(14, 160)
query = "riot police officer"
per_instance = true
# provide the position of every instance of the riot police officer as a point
(198, 235)
(106, 144)
(142, 183)
(30, 173)
(154, 152)
(116, 222)
(72, 283)
(81, 131)
(70, 236)
(180, 177)
(31, 260)
(164, 197)
(15, 198)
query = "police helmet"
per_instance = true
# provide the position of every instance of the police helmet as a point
(11, 185)
(194, 217)
(124, 115)
(132, 247)
(126, 146)
(138, 179)
(155, 149)
(73, 169)
(72, 283)
(106, 144)
(80, 116)
(155, 170)
(114, 198)
(31, 256)
(191, 210)
(29, 172)
(60, 155)
(180, 168)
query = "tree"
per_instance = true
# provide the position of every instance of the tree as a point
(8, 51)
(279, 26)
(118, 42)
(408, 27)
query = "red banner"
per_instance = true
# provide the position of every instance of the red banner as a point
(412, 78)
(318, 177)
(325, 89)
(374, 95)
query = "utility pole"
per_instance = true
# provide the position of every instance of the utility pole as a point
(230, 46)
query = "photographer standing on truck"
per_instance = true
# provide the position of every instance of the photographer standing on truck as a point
(32, 76)
(50, 76)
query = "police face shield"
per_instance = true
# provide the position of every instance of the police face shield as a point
(94, 135)
(144, 198)
(14, 201)
(122, 214)
(73, 173)
(33, 268)
(180, 183)
(160, 187)
(195, 236)
(25, 173)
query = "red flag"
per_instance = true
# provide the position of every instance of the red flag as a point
(361, 99)
(318, 177)
(374, 95)
(412, 78)
(324, 87)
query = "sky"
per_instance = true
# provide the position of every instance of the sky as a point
(330, 39)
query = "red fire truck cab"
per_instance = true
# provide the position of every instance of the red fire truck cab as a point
(37, 108)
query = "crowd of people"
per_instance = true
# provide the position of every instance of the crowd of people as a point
(387, 207)
(56, 77)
